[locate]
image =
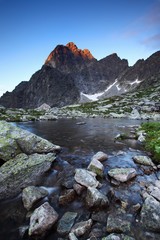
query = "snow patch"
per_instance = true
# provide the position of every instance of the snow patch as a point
(118, 88)
(135, 82)
(94, 97)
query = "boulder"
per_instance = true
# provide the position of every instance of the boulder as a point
(31, 194)
(119, 222)
(67, 196)
(85, 178)
(72, 236)
(115, 236)
(100, 156)
(23, 171)
(96, 167)
(122, 174)
(143, 160)
(150, 214)
(14, 140)
(48, 117)
(66, 222)
(42, 219)
(81, 228)
(94, 198)
(135, 114)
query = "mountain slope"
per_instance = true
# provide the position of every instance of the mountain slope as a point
(70, 75)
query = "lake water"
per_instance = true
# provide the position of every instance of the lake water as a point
(79, 142)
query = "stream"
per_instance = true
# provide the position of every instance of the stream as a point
(80, 139)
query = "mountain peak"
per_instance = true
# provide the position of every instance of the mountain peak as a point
(72, 46)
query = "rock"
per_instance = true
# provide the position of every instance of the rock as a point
(122, 174)
(115, 236)
(14, 140)
(85, 178)
(29, 143)
(42, 219)
(72, 236)
(81, 228)
(141, 138)
(119, 222)
(96, 167)
(80, 123)
(144, 160)
(43, 107)
(155, 193)
(78, 188)
(150, 214)
(23, 171)
(94, 198)
(68, 196)
(66, 222)
(135, 114)
(100, 156)
(31, 194)
(48, 117)
(97, 231)
(99, 216)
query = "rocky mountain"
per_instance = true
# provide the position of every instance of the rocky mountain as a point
(70, 75)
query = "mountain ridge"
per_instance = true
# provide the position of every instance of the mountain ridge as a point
(69, 73)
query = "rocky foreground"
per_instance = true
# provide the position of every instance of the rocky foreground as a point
(118, 200)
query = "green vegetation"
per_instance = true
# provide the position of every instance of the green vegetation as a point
(152, 142)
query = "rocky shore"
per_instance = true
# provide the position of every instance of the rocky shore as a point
(116, 199)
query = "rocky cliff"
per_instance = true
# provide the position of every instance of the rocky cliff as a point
(70, 74)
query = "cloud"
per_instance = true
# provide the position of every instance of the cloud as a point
(153, 41)
(146, 28)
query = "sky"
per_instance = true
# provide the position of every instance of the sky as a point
(31, 29)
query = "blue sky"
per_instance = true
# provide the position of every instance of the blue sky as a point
(31, 29)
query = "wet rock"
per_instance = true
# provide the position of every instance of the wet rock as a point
(122, 174)
(23, 171)
(31, 194)
(86, 178)
(42, 219)
(96, 167)
(72, 236)
(115, 236)
(66, 222)
(154, 191)
(99, 216)
(97, 231)
(81, 228)
(68, 196)
(144, 160)
(94, 198)
(119, 222)
(100, 156)
(150, 214)
(141, 138)
(78, 188)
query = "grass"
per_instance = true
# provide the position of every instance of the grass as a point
(152, 142)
